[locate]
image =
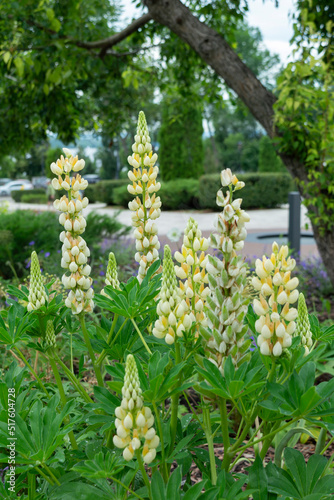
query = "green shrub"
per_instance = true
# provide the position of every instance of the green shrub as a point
(103, 191)
(34, 198)
(17, 195)
(23, 231)
(262, 190)
(180, 194)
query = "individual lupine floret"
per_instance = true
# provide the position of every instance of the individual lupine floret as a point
(227, 303)
(303, 328)
(37, 294)
(111, 274)
(146, 205)
(192, 270)
(50, 337)
(134, 421)
(278, 290)
(172, 309)
(75, 252)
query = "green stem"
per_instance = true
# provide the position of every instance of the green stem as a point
(62, 397)
(74, 381)
(321, 441)
(144, 473)
(104, 352)
(163, 463)
(209, 439)
(226, 437)
(126, 487)
(175, 402)
(31, 486)
(51, 474)
(44, 475)
(141, 336)
(272, 370)
(96, 367)
(327, 446)
(71, 348)
(32, 370)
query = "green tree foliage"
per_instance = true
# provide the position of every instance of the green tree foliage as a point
(268, 159)
(181, 145)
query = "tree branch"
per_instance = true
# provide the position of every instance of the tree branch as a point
(109, 42)
(217, 53)
(103, 44)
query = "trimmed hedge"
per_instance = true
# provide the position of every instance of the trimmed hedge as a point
(17, 195)
(34, 198)
(103, 191)
(180, 194)
(262, 190)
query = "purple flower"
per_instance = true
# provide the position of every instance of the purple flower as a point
(28, 264)
(31, 243)
(102, 273)
(58, 251)
(47, 254)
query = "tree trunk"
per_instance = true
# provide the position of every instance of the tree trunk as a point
(217, 53)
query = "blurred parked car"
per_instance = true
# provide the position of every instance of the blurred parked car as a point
(6, 189)
(92, 178)
(40, 182)
(4, 180)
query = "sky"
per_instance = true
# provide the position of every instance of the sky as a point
(274, 23)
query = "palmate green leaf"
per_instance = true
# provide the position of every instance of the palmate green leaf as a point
(297, 469)
(105, 400)
(174, 484)
(102, 466)
(180, 446)
(158, 486)
(195, 491)
(80, 491)
(315, 467)
(280, 482)
(258, 480)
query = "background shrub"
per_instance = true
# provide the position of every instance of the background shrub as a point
(262, 190)
(34, 198)
(104, 191)
(179, 194)
(17, 195)
(23, 231)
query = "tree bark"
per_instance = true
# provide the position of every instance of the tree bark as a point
(217, 53)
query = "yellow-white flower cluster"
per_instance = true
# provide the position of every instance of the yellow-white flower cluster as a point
(192, 270)
(134, 421)
(278, 290)
(37, 294)
(111, 274)
(227, 304)
(146, 205)
(172, 308)
(75, 252)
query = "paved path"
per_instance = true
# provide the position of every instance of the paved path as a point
(274, 221)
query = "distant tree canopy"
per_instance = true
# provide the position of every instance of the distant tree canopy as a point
(180, 139)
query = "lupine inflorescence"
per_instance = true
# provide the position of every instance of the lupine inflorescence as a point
(146, 205)
(74, 250)
(227, 303)
(134, 421)
(192, 270)
(278, 290)
(37, 295)
(303, 328)
(50, 337)
(172, 308)
(111, 274)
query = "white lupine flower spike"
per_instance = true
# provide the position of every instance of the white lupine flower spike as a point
(75, 252)
(134, 421)
(146, 205)
(191, 271)
(303, 329)
(277, 291)
(172, 309)
(37, 294)
(227, 303)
